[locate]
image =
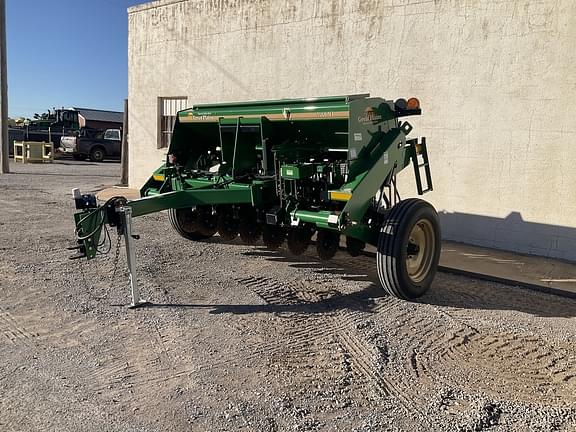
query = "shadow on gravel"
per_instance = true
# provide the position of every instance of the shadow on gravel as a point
(349, 272)
(453, 291)
(448, 291)
(359, 301)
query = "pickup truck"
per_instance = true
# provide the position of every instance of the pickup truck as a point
(93, 144)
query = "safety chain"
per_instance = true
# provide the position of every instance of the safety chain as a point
(87, 287)
(116, 259)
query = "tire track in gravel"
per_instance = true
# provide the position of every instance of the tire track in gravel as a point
(442, 342)
(108, 373)
(134, 376)
(493, 296)
(507, 364)
(13, 330)
(142, 360)
(67, 334)
(330, 319)
(433, 348)
(518, 366)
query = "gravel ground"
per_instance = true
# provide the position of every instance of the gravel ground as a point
(243, 339)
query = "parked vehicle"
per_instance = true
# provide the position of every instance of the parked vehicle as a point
(93, 144)
(47, 127)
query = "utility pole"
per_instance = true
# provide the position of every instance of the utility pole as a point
(124, 152)
(4, 162)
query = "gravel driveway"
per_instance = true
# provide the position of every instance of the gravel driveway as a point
(243, 339)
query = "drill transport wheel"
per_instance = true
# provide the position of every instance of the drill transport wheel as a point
(409, 249)
(273, 236)
(185, 222)
(327, 243)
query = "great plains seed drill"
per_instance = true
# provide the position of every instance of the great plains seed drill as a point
(289, 170)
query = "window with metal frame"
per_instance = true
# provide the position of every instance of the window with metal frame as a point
(168, 108)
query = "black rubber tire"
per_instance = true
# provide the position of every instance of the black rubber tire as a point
(97, 154)
(184, 221)
(227, 227)
(298, 240)
(273, 236)
(391, 259)
(354, 246)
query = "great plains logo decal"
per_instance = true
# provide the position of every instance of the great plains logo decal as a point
(369, 116)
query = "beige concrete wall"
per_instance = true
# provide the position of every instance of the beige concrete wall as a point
(496, 78)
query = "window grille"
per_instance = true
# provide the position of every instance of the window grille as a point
(168, 108)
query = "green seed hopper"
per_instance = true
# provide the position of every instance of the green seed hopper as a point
(290, 170)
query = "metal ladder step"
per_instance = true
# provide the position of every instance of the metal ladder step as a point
(417, 165)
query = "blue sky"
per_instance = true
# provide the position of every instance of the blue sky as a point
(67, 53)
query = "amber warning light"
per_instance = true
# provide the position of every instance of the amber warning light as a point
(412, 104)
(407, 107)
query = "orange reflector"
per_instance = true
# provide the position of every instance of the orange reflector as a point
(412, 103)
(340, 196)
(158, 177)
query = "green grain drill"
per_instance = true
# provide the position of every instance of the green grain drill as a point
(299, 171)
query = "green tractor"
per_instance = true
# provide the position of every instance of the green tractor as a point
(294, 171)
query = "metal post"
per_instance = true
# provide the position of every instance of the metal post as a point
(124, 150)
(131, 258)
(4, 162)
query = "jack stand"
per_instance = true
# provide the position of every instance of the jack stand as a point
(131, 258)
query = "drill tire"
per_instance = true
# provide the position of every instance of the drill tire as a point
(409, 249)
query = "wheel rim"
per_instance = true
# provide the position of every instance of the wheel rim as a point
(420, 250)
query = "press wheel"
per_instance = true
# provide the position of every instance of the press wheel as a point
(298, 240)
(354, 246)
(273, 236)
(327, 243)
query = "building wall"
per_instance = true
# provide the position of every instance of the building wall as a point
(496, 79)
